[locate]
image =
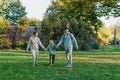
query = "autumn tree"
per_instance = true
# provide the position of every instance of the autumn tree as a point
(12, 10)
(82, 16)
(34, 22)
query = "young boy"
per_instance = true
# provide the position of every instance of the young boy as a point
(51, 48)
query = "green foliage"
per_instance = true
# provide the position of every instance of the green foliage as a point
(90, 46)
(16, 33)
(23, 24)
(118, 33)
(34, 22)
(82, 15)
(105, 32)
(105, 35)
(94, 65)
(5, 43)
(21, 27)
(4, 24)
(13, 11)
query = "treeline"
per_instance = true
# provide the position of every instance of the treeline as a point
(13, 23)
(83, 18)
(81, 15)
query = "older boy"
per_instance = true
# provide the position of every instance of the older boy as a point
(68, 39)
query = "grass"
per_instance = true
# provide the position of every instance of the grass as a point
(92, 65)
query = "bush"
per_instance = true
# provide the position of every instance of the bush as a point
(5, 43)
(85, 47)
(96, 45)
(90, 45)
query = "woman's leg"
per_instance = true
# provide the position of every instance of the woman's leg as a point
(36, 54)
(33, 56)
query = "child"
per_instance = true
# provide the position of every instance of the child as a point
(51, 48)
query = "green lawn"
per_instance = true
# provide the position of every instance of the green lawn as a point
(92, 65)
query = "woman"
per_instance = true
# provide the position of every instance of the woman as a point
(33, 44)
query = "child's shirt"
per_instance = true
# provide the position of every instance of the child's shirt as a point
(51, 48)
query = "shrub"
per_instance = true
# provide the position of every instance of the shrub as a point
(96, 45)
(90, 45)
(5, 43)
(85, 47)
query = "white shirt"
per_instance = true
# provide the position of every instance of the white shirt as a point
(34, 43)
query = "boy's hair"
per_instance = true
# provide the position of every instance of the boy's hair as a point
(34, 32)
(51, 39)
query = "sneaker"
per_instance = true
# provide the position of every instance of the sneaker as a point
(33, 64)
(69, 66)
(51, 64)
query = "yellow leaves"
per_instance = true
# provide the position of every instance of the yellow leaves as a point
(7, 23)
(52, 32)
(20, 42)
(1, 2)
(4, 24)
(5, 43)
(23, 24)
(102, 39)
(110, 3)
(61, 2)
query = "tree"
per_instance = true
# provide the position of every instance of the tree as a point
(22, 26)
(82, 15)
(34, 22)
(4, 24)
(104, 35)
(4, 6)
(13, 11)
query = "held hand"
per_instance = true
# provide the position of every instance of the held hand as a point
(57, 46)
(77, 48)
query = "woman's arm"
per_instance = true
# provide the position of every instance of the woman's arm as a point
(40, 44)
(29, 43)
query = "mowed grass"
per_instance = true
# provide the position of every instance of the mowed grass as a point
(92, 65)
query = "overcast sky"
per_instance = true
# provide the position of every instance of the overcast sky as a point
(37, 8)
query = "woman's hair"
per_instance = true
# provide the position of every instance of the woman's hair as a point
(34, 32)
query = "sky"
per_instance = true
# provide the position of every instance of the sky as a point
(111, 22)
(37, 8)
